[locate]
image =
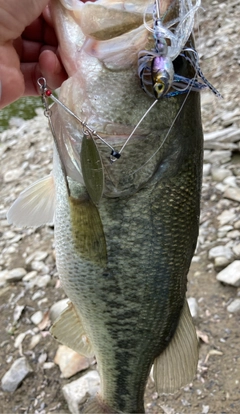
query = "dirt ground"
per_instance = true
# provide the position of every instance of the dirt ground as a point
(27, 149)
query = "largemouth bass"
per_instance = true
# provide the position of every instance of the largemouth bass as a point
(125, 231)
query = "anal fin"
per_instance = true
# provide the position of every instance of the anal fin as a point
(177, 364)
(68, 330)
(96, 406)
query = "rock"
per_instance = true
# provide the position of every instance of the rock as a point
(29, 276)
(206, 169)
(234, 306)
(9, 235)
(43, 281)
(219, 174)
(57, 309)
(15, 275)
(18, 312)
(193, 306)
(237, 225)
(35, 341)
(13, 175)
(221, 187)
(48, 365)
(39, 266)
(231, 274)
(37, 317)
(222, 232)
(217, 157)
(70, 362)
(232, 193)
(38, 294)
(233, 234)
(224, 135)
(236, 250)
(220, 262)
(36, 256)
(16, 374)
(230, 181)
(226, 216)
(220, 251)
(3, 276)
(77, 392)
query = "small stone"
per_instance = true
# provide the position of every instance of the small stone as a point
(220, 251)
(38, 294)
(35, 341)
(70, 362)
(221, 187)
(12, 175)
(9, 235)
(236, 250)
(206, 169)
(218, 174)
(226, 216)
(43, 281)
(16, 374)
(15, 275)
(217, 157)
(220, 262)
(233, 234)
(37, 317)
(57, 309)
(232, 193)
(231, 274)
(42, 358)
(193, 306)
(3, 276)
(77, 392)
(29, 276)
(234, 306)
(237, 225)
(222, 232)
(230, 181)
(39, 266)
(40, 255)
(48, 365)
(18, 312)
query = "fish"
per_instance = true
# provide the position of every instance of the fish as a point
(125, 227)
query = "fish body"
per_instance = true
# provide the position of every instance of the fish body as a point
(123, 257)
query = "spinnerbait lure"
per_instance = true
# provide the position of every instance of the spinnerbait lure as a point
(155, 67)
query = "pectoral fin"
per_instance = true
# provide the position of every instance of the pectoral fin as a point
(69, 331)
(177, 364)
(87, 231)
(35, 206)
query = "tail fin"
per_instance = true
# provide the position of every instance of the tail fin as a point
(96, 406)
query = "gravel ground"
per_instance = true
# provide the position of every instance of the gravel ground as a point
(28, 276)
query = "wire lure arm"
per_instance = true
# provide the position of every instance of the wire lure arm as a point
(47, 93)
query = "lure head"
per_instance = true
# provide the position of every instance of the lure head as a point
(162, 75)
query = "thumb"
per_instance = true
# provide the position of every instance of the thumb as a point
(16, 15)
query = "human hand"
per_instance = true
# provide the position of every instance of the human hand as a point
(28, 49)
